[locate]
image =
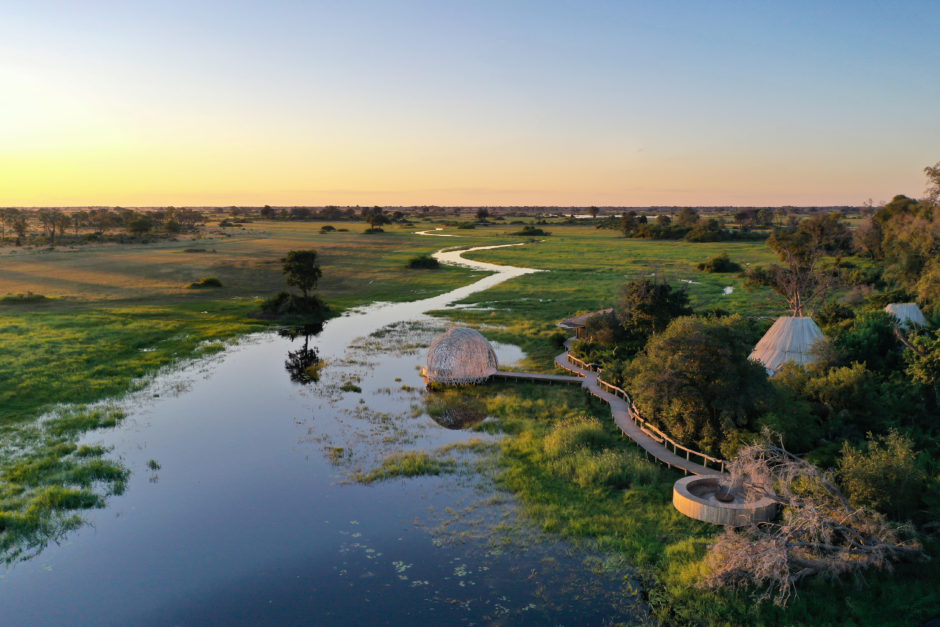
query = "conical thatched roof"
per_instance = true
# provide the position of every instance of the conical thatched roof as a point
(907, 314)
(789, 339)
(459, 356)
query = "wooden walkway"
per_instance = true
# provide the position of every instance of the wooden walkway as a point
(537, 378)
(647, 437)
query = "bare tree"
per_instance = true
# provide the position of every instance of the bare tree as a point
(819, 532)
(800, 281)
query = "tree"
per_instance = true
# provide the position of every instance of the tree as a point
(20, 226)
(932, 194)
(302, 270)
(268, 213)
(819, 533)
(629, 223)
(7, 218)
(50, 218)
(375, 216)
(79, 219)
(139, 224)
(695, 381)
(827, 233)
(593, 211)
(482, 214)
(688, 217)
(800, 281)
(923, 360)
(646, 307)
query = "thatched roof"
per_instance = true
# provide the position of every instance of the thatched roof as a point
(907, 314)
(460, 356)
(789, 339)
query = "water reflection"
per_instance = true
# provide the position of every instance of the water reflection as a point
(453, 410)
(303, 365)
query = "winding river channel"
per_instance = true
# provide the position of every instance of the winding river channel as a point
(241, 508)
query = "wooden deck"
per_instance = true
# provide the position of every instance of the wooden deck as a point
(649, 440)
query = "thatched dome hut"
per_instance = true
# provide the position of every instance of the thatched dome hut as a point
(907, 314)
(460, 356)
(789, 339)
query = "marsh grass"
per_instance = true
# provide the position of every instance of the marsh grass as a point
(45, 477)
(407, 464)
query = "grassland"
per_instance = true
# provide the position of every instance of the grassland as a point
(115, 314)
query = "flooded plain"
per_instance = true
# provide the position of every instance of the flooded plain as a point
(243, 505)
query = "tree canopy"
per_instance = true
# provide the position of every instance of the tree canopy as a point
(695, 381)
(302, 270)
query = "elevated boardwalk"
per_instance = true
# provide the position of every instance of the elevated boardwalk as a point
(536, 378)
(650, 439)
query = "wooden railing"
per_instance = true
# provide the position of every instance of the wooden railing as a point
(649, 429)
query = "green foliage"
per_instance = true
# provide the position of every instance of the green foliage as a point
(884, 476)
(205, 282)
(425, 262)
(869, 339)
(720, 263)
(923, 360)
(906, 234)
(302, 270)
(645, 307)
(327, 228)
(695, 381)
(833, 313)
(349, 386)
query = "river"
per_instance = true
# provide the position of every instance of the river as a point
(249, 515)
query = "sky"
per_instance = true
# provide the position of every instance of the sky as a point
(470, 102)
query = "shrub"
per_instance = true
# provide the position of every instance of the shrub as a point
(285, 304)
(374, 229)
(327, 228)
(530, 231)
(720, 263)
(204, 282)
(22, 299)
(885, 476)
(424, 262)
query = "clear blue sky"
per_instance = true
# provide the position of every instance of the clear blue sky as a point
(612, 103)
